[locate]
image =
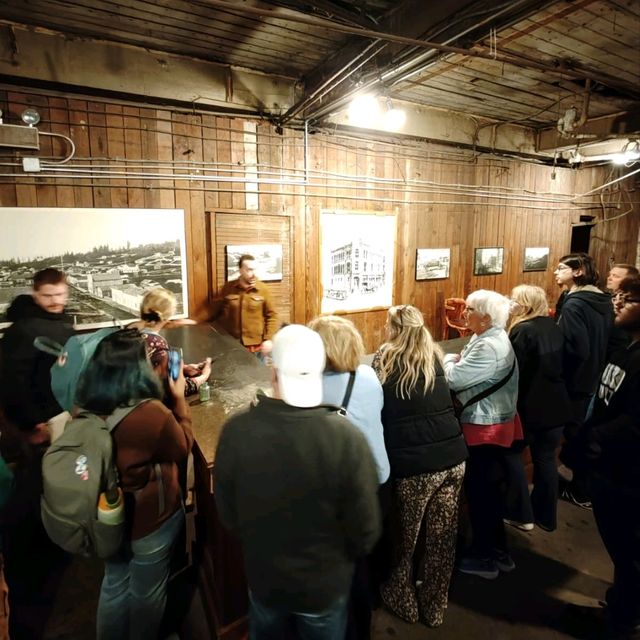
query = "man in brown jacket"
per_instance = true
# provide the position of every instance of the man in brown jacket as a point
(245, 309)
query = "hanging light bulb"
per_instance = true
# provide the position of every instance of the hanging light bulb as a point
(394, 119)
(30, 116)
(630, 153)
(364, 110)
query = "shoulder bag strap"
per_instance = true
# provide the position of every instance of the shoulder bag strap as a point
(347, 394)
(492, 389)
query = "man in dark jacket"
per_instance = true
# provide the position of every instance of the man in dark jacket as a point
(610, 446)
(297, 482)
(32, 562)
(27, 398)
(586, 320)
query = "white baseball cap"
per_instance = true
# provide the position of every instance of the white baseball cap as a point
(299, 358)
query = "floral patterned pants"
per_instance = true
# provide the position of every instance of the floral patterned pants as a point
(433, 497)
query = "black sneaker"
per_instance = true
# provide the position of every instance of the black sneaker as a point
(504, 561)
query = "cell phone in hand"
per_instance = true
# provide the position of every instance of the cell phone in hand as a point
(175, 360)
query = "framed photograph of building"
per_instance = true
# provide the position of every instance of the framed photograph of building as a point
(268, 260)
(357, 260)
(432, 264)
(488, 261)
(111, 258)
(535, 259)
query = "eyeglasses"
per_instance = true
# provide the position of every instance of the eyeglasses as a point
(562, 267)
(625, 298)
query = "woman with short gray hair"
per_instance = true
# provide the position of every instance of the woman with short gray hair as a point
(484, 378)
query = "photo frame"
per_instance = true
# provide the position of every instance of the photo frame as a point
(535, 259)
(488, 261)
(268, 260)
(432, 264)
(111, 258)
(357, 255)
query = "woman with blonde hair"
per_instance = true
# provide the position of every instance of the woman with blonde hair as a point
(156, 310)
(543, 405)
(351, 385)
(355, 388)
(427, 453)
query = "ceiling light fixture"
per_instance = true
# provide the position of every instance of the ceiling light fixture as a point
(393, 119)
(629, 153)
(364, 110)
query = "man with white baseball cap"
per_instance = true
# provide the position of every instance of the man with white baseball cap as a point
(297, 483)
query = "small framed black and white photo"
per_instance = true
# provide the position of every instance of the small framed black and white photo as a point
(432, 264)
(535, 259)
(268, 259)
(488, 261)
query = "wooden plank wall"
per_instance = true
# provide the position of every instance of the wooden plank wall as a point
(256, 229)
(416, 182)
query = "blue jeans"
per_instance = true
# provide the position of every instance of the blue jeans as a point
(134, 588)
(266, 623)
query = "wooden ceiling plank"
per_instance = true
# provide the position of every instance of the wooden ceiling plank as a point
(626, 7)
(591, 49)
(248, 59)
(202, 12)
(327, 9)
(539, 45)
(603, 27)
(136, 21)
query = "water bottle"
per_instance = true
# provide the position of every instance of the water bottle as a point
(111, 507)
(204, 392)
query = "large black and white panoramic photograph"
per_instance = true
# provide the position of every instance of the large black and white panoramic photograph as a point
(111, 258)
(358, 253)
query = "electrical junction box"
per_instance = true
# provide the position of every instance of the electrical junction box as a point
(31, 164)
(19, 137)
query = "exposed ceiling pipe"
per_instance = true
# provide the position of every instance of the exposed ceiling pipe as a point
(332, 82)
(326, 87)
(561, 67)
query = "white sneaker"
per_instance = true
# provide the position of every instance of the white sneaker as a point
(523, 526)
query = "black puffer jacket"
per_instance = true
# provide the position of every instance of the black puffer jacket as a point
(27, 398)
(421, 433)
(585, 321)
(543, 401)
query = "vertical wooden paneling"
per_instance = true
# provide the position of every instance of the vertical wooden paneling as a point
(448, 204)
(115, 150)
(232, 228)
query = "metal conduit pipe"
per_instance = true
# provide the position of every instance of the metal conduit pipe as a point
(392, 201)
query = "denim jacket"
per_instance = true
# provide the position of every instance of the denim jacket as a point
(485, 360)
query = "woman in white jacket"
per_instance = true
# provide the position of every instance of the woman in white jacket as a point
(484, 378)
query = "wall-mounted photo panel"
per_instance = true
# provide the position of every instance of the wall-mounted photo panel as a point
(268, 260)
(111, 258)
(488, 261)
(357, 254)
(535, 259)
(432, 264)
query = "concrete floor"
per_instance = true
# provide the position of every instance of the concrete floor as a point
(569, 565)
(553, 569)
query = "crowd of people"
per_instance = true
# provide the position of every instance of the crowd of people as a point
(329, 479)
